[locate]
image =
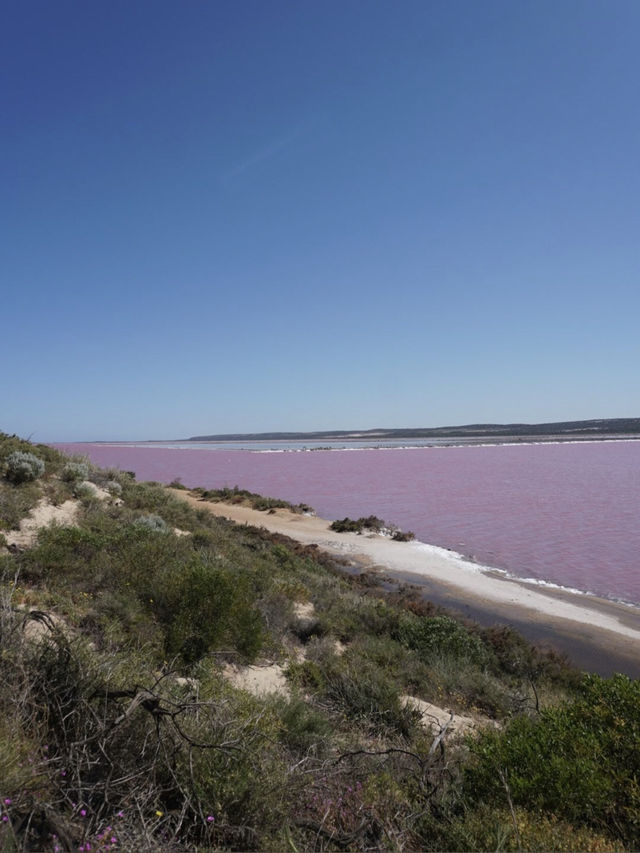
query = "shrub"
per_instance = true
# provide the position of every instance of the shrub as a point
(237, 495)
(372, 522)
(441, 635)
(15, 504)
(85, 491)
(23, 467)
(580, 761)
(369, 522)
(114, 487)
(403, 536)
(177, 484)
(74, 471)
(201, 606)
(155, 499)
(346, 525)
(154, 523)
(304, 729)
(361, 690)
(488, 828)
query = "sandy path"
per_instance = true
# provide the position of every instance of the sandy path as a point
(589, 617)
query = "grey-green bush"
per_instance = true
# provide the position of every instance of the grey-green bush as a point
(22, 467)
(152, 522)
(73, 471)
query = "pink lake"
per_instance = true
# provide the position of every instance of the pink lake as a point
(565, 513)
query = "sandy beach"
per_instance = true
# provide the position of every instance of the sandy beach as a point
(596, 633)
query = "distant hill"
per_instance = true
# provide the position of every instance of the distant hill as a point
(564, 429)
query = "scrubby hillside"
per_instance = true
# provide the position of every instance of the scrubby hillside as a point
(172, 682)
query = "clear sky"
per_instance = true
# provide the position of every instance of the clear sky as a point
(248, 215)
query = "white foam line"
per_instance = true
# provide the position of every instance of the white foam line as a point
(469, 564)
(479, 580)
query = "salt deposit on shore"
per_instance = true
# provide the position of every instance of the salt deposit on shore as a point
(591, 619)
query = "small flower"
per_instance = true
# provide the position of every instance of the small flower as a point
(210, 818)
(7, 801)
(83, 812)
(4, 818)
(120, 813)
(159, 814)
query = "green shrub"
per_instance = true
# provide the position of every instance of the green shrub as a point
(16, 502)
(85, 492)
(243, 496)
(362, 691)
(21, 467)
(441, 635)
(403, 536)
(489, 828)
(74, 471)
(201, 607)
(468, 685)
(154, 523)
(304, 729)
(580, 761)
(246, 784)
(11, 443)
(370, 522)
(177, 484)
(347, 525)
(155, 499)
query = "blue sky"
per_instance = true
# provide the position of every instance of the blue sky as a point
(272, 214)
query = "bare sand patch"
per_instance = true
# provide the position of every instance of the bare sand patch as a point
(42, 515)
(258, 680)
(435, 717)
(303, 610)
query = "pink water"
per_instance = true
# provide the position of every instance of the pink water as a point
(566, 513)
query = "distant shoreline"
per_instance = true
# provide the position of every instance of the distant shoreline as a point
(359, 444)
(600, 429)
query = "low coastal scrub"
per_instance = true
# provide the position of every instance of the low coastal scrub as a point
(579, 760)
(122, 728)
(20, 467)
(246, 498)
(373, 524)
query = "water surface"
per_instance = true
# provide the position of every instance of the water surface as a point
(566, 513)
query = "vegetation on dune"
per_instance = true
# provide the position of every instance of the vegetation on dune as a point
(120, 728)
(246, 498)
(373, 524)
(20, 467)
